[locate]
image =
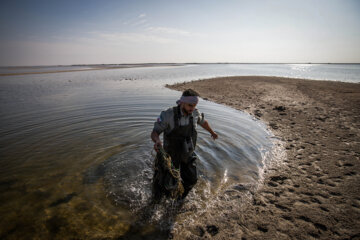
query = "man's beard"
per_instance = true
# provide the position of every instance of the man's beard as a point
(185, 111)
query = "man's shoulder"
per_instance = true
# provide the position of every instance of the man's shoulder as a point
(170, 110)
(196, 112)
(167, 114)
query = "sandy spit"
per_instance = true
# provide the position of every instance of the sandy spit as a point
(315, 193)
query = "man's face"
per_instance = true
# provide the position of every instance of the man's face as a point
(188, 108)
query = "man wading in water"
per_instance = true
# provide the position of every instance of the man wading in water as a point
(179, 126)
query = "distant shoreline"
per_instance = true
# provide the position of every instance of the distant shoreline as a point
(167, 64)
(94, 68)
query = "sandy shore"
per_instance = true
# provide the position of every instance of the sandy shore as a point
(315, 193)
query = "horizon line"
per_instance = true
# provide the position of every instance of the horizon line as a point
(169, 63)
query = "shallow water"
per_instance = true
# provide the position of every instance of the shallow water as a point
(77, 157)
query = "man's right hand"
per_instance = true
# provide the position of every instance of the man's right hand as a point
(155, 137)
(157, 145)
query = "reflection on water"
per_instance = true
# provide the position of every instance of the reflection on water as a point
(77, 158)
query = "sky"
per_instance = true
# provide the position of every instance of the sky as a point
(46, 32)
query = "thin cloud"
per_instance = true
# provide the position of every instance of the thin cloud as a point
(136, 21)
(141, 22)
(172, 31)
(113, 38)
(121, 38)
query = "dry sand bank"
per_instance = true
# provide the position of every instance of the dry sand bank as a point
(315, 194)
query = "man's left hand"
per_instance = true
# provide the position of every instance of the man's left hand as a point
(214, 135)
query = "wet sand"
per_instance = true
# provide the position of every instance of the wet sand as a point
(314, 192)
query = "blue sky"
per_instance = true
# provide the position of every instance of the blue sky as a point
(95, 32)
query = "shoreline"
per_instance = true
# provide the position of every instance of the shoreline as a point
(88, 69)
(315, 193)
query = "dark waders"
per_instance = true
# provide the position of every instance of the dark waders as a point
(180, 145)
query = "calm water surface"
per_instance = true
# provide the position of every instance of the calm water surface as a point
(77, 158)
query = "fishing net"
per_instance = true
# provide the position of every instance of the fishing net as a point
(167, 179)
